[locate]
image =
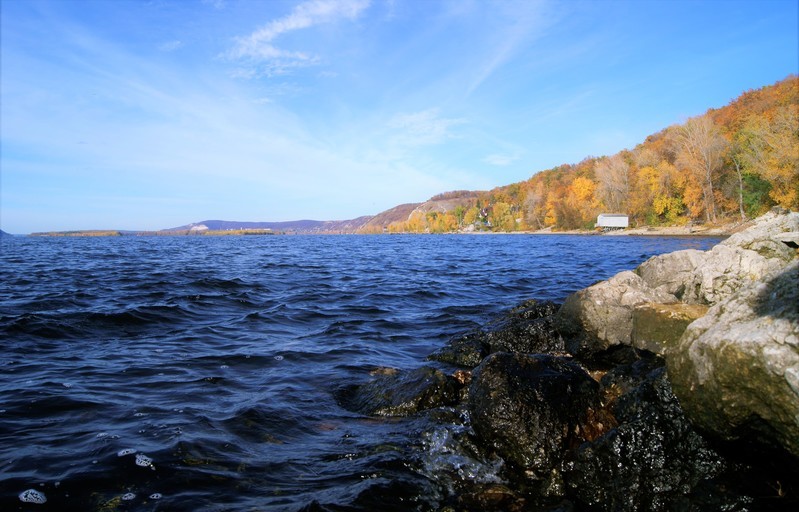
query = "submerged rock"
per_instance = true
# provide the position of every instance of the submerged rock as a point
(736, 370)
(529, 408)
(402, 393)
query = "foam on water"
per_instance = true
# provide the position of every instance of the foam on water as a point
(144, 461)
(33, 496)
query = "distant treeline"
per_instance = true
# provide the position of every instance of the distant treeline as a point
(730, 163)
(209, 232)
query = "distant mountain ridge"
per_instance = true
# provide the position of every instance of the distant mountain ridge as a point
(366, 224)
(294, 226)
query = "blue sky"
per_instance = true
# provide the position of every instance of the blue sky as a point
(120, 114)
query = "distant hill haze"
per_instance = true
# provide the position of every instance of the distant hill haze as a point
(294, 226)
(441, 203)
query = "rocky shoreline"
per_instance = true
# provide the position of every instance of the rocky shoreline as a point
(671, 387)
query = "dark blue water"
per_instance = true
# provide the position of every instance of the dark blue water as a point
(200, 373)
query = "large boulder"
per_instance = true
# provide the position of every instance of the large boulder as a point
(698, 277)
(736, 370)
(601, 316)
(530, 408)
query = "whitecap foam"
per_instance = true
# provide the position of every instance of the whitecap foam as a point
(126, 451)
(156, 496)
(128, 496)
(32, 496)
(144, 461)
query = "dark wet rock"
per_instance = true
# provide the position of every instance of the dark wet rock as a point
(467, 350)
(736, 370)
(527, 336)
(530, 408)
(402, 393)
(652, 459)
(527, 328)
(491, 497)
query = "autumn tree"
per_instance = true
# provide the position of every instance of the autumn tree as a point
(613, 177)
(702, 149)
(770, 149)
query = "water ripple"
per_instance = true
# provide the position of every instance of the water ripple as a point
(216, 360)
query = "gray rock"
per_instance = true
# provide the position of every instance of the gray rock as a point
(529, 408)
(601, 316)
(673, 273)
(697, 277)
(736, 370)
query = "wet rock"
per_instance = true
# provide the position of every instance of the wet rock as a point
(492, 497)
(601, 316)
(658, 327)
(648, 462)
(528, 328)
(467, 350)
(736, 371)
(529, 408)
(535, 336)
(402, 393)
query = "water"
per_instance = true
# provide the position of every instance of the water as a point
(201, 373)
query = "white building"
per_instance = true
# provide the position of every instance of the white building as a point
(608, 221)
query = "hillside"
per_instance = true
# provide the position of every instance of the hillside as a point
(728, 164)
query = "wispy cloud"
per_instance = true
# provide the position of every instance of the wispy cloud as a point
(216, 4)
(423, 128)
(260, 46)
(170, 46)
(500, 160)
(521, 22)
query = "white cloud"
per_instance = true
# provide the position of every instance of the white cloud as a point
(170, 46)
(423, 128)
(216, 4)
(500, 159)
(259, 46)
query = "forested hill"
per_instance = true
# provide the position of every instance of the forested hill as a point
(730, 163)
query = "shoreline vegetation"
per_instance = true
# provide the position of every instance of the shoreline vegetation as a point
(720, 230)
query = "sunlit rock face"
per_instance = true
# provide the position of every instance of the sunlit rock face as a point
(736, 370)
